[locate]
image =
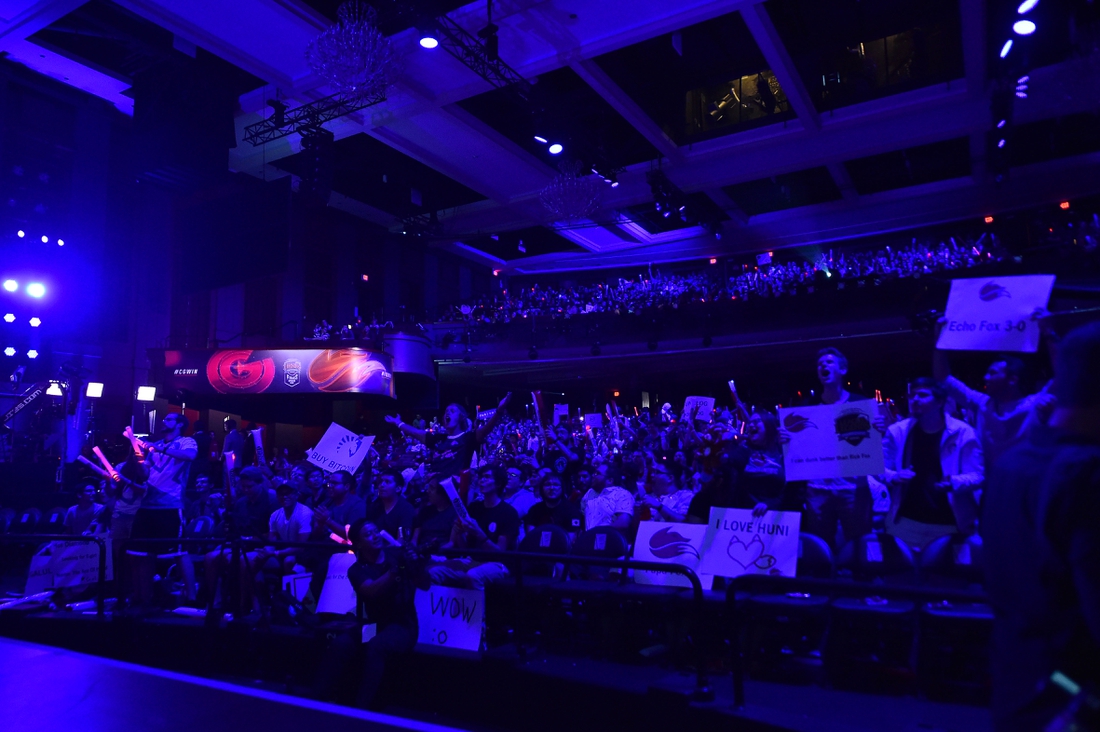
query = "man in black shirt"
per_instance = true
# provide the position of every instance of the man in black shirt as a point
(933, 468)
(385, 581)
(492, 525)
(451, 453)
(390, 512)
(554, 509)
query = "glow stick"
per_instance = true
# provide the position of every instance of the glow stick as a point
(106, 464)
(100, 471)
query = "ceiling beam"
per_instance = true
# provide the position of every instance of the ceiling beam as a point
(33, 17)
(973, 21)
(775, 53)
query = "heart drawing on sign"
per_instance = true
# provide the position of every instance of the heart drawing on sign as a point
(751, 554)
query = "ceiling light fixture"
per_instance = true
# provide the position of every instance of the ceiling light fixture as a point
(1006, 48)
(1026, 6)
(20, 233)
(1023, 27)
(556, 149)
(429, 42)
(9, 318)
(540, 139)
(353, 55)
(32, 353)
(11, 285)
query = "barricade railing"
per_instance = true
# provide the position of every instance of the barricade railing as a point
(702, 691)
(833, 587)
(100, 541)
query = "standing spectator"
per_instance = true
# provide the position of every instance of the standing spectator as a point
(1005, 413)
(829, 501)
(933, 468)
(390, 512)
(452, 451)
(1042, 550)
(756, 469)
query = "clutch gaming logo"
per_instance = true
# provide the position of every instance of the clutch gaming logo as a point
(991, 291)
(667, 544)
(853, 426)
(232, 372)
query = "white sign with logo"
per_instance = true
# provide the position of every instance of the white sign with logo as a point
(994, 313)
(340, 449)
(705, 405)
(832, 441)
(561, 413)
(738, 543)
(670, 543)
(67, 564)
(337, 594)
(450, 617)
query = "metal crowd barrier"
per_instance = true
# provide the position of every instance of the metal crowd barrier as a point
(778, 585)
(101, 580)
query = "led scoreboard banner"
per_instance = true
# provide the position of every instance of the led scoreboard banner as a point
(281, 371)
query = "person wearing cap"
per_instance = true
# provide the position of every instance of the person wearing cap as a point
(290, 522)
(1042, 550)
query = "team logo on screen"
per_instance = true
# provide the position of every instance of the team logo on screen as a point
(292, 372)
(234, 372)
(348, 370)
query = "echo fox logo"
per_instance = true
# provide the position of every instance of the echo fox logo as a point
(991, 291)
(668, 544)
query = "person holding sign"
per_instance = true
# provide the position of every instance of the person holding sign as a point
(1005, 412)
(385, 580)
(756, 465)
(833, 500)
(933, 468)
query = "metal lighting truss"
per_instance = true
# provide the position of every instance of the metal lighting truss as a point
(311, 115)
(473, 54)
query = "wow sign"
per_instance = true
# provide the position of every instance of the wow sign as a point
(737, 543)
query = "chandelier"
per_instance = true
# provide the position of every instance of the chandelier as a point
(571, 196)
(353, 55)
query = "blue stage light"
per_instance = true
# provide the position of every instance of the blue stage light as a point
(36, 289)
(11, 285)
(32, 353)
(428, 42)
(1023, 27)
(556, 149)
(1006, 48)
(20, 233)
(1026, 6)
(9, 351)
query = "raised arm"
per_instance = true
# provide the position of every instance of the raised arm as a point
(486, 429)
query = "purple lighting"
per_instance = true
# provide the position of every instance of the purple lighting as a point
(1006, 48)
(36, 289)
(1023, 27)
(1026, 6)
(11, 285)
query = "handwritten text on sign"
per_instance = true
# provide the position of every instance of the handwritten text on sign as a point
(340, 449)
(450, 617)
(832, 441)
(670, 543)
(738, 543)
(994, 314)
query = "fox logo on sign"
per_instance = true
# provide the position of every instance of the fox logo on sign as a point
(991, 291)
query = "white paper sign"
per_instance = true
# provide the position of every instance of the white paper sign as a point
(737, 543)
(994, 314)
(670, 543)
(337, 594)
(561, 413)
(340, 449)
(448, 486)
(67, 564)
(297, 585)
(450, 617)
(593, 420)
(832, 441)
(705, 404)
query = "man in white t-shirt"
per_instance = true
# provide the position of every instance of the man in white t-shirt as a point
(292, 521)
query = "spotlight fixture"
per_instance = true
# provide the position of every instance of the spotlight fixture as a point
(555, 149)
(32, 353)
(9, 318)
(9, 351)
(429, 41)
(1026, 6)
(1023, 27)
(1006, 48)
(146, 393)
(35, 322)
(54, 389)
(20, 233)
(45, 239)
(533, 353)
(11, 285)
(60, 242)
(540, 139)
(36, 289)
(94, 390)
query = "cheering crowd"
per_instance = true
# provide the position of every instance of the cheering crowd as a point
(654, 290)
(432, 490)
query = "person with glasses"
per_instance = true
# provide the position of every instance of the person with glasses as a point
(516, 492)
(340, 509)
